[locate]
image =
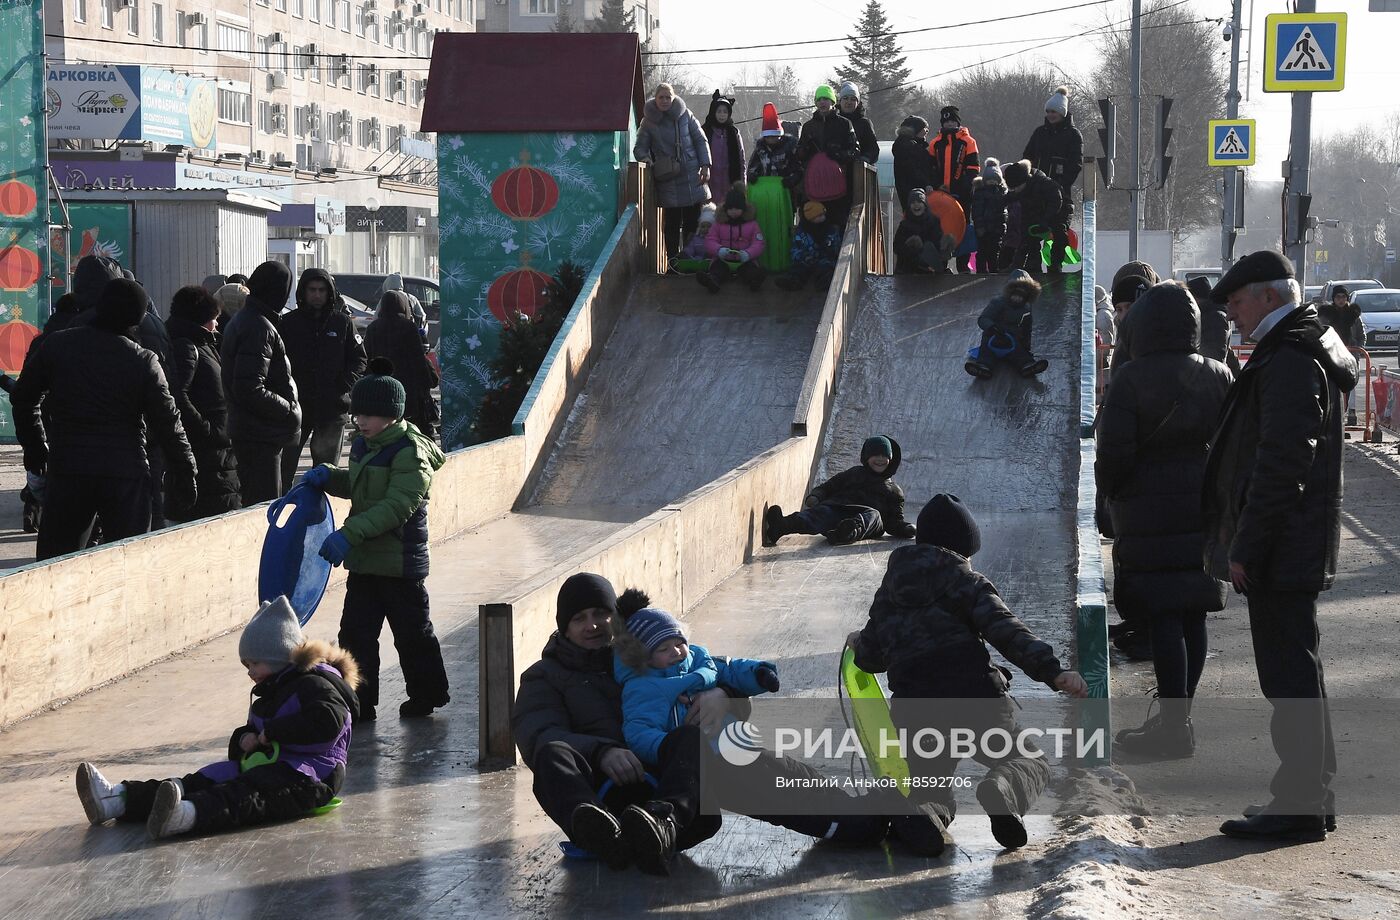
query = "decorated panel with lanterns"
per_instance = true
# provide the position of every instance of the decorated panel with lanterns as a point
(23, 188)
(512, 207)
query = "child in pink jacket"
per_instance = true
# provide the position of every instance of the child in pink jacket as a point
(734, 244)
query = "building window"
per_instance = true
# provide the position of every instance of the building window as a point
(158, 22)
(133, 18)
(233, 40)
(314, 10)
(360, 21)
(194, 30)
(281, 6)
(299, 9)
(344, 15)
(372, 27)
(80, 10)
(108, 12)
(235, 107)
(541, 7)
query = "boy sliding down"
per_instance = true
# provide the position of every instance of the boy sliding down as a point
(927, 628)
(659, 671)
(860, 503)
(1006, 330)
(303, 707)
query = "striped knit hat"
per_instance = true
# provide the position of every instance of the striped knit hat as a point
(652, 626)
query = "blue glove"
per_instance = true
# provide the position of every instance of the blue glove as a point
(335, 548)
(742, 254)
(318, 477)
(766, 677)
(724, 253)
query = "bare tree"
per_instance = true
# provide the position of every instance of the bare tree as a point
(1354, 182)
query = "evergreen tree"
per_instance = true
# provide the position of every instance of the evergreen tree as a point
(563, 22)
(616, 16)
(875, 64)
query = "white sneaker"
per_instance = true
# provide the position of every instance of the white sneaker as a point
(101, 800)
(170, 815)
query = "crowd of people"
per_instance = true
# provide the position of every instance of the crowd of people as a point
(785, 212)
(128, 421)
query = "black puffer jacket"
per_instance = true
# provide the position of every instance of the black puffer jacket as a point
(860, 485)
(1347, 321)
(865, 133)
(393, 335)
(325, 351)
(197, 386)
(90, 276)
(830, 134)
(102, 393)
(929, 624)
(262, 396)
(1157, 417)
(988, 207)
(569, 695)
(1041, 199)
(913, 166)
(1273, 484)
(1057, 151)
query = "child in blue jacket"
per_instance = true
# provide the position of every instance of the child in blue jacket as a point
(659, 670)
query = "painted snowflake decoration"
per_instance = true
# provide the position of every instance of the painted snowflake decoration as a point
(474, 342)
(510, 245)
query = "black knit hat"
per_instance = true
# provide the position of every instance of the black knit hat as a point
(946, 522)
(1129, 288)
(1016, 174)
(1264, 265)
(949, 113)
(737, 197)
(580, 592)
(121, 305)
(378, 393)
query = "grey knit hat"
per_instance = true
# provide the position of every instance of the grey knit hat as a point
(272, 635)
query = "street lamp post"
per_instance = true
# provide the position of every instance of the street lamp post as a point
(372, 206)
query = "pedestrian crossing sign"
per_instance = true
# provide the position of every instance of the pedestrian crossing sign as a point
(1231, 142)
(1305, 52)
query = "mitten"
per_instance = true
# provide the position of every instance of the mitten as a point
(767, 678)
(742, 254)
(318, 477)
(335, 548)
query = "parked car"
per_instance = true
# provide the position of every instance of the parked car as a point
(1352, 286)
(1311, 292)
(1380, 315)
(365, 287)
(1188, 274)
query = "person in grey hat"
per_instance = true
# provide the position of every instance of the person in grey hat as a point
(1272, 507)
(283, 763)
(851, 108)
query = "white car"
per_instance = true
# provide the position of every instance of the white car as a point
(1380, 314)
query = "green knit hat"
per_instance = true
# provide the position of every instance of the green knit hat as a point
(825, 92)
(378, 393)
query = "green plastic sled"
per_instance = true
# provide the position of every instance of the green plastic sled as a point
(261, 757)
(872, 719)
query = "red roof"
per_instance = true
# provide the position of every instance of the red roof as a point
(542, 81)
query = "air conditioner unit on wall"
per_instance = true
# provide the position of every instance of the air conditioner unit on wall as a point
(419, 9)
(278, 81)
(274, 38)
(196, 19)
(126, 4)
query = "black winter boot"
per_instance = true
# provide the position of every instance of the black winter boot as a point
(596, 830)
(978, 369)
(1000, 806)
(1168, 735)
(925, 832)
(1034, 367)
(649, 833)
(707, 281)
(845, 533)
(773, 525)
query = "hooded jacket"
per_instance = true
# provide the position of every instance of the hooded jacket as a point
(394, 282)
(866, 141)
(1346, 320)
(651, 697)
(860, 485)
(988, 210)
(1041, 200)
(727, 164)
(913, 164)
(1010, 311)
(830, 134)
(955, 162)
(674, 133)
(308, 708)
(929, 623)
(263, 407)
(392, 335)
(1058, 151)
(1157, 418)
(325, 352)
(743, 234)
(197, 387)
(570, 697)
(926, 228)
(1273, 482)
(387, 483)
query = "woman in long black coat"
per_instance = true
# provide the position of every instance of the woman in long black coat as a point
(1158, 416)
(394, 335)
(196, 384)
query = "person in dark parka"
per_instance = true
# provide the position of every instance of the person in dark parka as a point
(1215, 326)
(264, 415)
(393, 336)
(103, 397)
(1042, 207)
(826, 133)
(196, 383)
(913, 164)
(1343, 315)
(859, 503)
(989, 216)
(1056, 148)
(1272, 502)
(1157, 418)
(327, 357)
(852, 108)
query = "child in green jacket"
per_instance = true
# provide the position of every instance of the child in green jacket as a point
(384, 543)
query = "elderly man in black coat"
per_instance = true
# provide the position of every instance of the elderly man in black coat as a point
(1272, 502)
(103, 396)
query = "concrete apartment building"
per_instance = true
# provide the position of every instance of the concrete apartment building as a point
(540, 15)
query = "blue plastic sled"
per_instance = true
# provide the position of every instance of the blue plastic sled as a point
(291, 561)
(572, 850)
(999, 345)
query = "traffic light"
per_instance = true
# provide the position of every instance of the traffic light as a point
(1164, 137)
(1108, 140)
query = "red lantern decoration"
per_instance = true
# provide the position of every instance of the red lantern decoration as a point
(15, 339)
(19, 267)
(522, 291)
(17, 199)
(525, 193)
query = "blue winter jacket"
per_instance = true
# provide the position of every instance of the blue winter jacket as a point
(651, 698)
